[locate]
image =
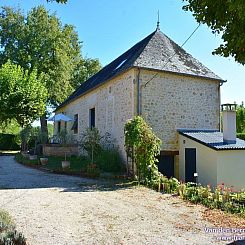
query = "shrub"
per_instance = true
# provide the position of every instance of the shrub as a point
(21, 159)
(241, 136)
(143, 147)
(109, 160)
(9, 142)
(92, 170)
(90, 142)
(8, 233)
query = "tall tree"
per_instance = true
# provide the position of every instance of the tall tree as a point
(22, 95)
(226, 17)
(84, 70)
(240, 118)
(40, 41)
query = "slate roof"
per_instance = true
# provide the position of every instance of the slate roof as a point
(212, 139)
(153, 52)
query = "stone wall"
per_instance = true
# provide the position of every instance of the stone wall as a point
(168, 102)
(59, 150)
(172, 101)
(114, 105)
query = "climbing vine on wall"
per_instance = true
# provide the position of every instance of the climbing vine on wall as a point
(143, 147)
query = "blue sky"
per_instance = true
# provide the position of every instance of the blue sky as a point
(108, 28)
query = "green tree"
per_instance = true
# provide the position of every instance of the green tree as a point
(10, 127)
(40, 42)
(226, 17)
(240, 118)
(22, 95)
(85, 69)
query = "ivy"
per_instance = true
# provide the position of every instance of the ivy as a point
(143, 147)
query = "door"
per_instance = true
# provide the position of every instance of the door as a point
(190, 164)
(166, 165)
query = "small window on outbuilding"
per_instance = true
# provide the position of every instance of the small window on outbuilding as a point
(75, 124)
(92, 118)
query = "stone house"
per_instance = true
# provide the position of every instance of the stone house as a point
(157, 79)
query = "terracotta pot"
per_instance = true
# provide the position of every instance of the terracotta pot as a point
(65, 164)
(43, 160)
(33, 157)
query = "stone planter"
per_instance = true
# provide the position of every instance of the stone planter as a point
(26, 155)
(65, 164)
(43, 160)
(33, 157)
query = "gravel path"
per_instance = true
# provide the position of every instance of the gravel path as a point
(58, 209)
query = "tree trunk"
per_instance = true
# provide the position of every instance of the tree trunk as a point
(44, 124)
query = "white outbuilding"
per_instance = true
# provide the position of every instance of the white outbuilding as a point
(210, 157)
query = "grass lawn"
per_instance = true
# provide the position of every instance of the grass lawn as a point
(78, 164)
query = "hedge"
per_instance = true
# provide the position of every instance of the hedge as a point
(241, 136)
(9, 142)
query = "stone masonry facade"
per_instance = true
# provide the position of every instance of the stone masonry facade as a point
(170, 101)
(114, 105)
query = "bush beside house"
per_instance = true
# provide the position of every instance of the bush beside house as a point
(241, 136)
(8, 232)
(9, 142)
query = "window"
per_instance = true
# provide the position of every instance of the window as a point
(75, 124)
(92, 118)
(59, 126)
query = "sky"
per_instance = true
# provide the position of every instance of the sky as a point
(108, 28)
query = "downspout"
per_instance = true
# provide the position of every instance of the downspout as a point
(220, 84)
(138, 94)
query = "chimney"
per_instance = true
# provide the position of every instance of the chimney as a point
(229, 123)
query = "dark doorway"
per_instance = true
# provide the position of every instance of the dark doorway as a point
(92, 118)
(190, 164)
(166, 165)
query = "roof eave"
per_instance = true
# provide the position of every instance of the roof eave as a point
(210, 146)
(180, 73)
(88, 91)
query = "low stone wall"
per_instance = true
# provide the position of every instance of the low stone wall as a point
(60, 150)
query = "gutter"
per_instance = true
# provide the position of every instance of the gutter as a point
(138, 93)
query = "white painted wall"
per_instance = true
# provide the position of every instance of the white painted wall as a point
(214, 167)
(231, 168)
(206, 161)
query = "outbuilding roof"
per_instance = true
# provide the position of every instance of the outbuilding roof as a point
(157, 52)
(212, 139)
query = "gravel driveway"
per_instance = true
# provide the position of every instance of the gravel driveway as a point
(58, 209)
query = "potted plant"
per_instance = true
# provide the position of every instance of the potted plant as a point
(65, 164)
(43, 160)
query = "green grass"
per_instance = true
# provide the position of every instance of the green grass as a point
(77, 163)
(108, 164)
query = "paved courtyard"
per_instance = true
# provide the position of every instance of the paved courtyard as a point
(59, 209)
